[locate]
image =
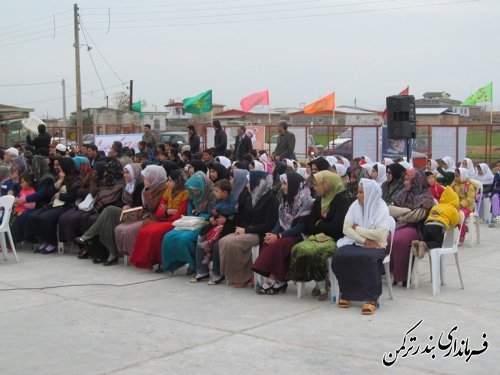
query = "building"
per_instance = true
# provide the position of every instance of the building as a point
(344, 115)
(442, 99)
(11, 128)
(437, 116)
(107, 121)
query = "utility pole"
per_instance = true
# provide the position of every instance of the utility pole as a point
(131, 94)
(355, 103)
(64, 102)
(79, 120)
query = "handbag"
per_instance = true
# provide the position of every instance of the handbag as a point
(189, 223)
(87, 204)
(414, 216)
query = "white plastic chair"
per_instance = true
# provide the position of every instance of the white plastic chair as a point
(6, 202)
(436, 259)
(474, 220)
(333, 280)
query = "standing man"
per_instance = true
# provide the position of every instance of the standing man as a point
(149, 137)
(243, 144)
(194, 140)
(220, 139)
(285, 147)
(41, 140)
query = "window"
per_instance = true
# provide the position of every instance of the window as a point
(157, 124)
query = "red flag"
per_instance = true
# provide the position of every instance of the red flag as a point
(406, 91)
(326, 103)
(259, 98)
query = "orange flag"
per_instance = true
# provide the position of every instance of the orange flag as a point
(327, 103)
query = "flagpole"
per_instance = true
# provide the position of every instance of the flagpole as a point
(491, 107)
(269, 113)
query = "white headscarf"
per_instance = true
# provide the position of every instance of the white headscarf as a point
(487, 177)
(388, 161)
(372, 214)
(470, 167)
(345, 161)
(434, 165)
(382, 173)
(332, 160)
(129, 186)
(405, 165)
(368, 167)
(340, 169)
(464, 173)
(258, 166)
(224, 161)
(450, 163)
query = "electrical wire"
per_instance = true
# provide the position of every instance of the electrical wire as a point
(93, 62)
(99, 51)
(293, 17)
(33, 39)
(266, 11)
(29, 84)
(33, 20)
(83, 285)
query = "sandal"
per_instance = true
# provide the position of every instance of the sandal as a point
(215, 281)
(368, 308)
(243, 285)
(323, 296)
(315, 292)
(198, 278)
(344, 303)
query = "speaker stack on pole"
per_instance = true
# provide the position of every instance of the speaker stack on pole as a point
(401, 118)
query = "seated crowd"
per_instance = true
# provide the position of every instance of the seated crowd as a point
(299, 217)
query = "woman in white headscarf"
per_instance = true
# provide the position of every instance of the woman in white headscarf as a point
(446, 171)
(486, 177)
(341, 170)
(431, 166)
(379, 173)
(469, 165)
(258, 166)
(332, 160)
(357, 260)
(224, 161)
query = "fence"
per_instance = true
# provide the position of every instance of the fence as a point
(480, 142)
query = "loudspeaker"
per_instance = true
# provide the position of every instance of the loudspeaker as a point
(401, 118)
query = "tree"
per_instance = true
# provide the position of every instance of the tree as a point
(121, 100)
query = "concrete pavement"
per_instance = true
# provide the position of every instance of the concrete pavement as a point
(122, 320)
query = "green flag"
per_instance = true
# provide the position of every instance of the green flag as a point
(199, 104)
(137, 107)
(484, 94)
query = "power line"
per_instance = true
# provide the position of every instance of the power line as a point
(292, 17)
(29, 84)
(92, 59)
(51, 29)
(99, 51)
(32, 27)
(33, 39)
(68, 96)
(34, 20)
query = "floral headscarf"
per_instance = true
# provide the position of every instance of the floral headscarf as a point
(260, 183)
(297, 202)
(419, 194)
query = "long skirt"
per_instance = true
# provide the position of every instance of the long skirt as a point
(125, 236)
(235, 253)
(274, 259)
(495, 205)
(18, 225)
(42, 224)
(401, 249)
(309, 259)
(178, 248)
(104, 228)
(69, 224)
(357, 270)
(147, 249)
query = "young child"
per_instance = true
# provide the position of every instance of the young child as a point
(436, 188)
(495, 197)
(223, 209)
(441, 216)
(16, 227)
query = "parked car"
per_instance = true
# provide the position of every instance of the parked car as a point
(174, 137)
(342, 138)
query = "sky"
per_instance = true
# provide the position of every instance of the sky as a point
(299, 50)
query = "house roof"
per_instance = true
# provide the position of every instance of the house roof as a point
(339, 110)
(10, 108)
(434, 111)
(176, 104)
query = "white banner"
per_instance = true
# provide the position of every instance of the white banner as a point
(365, 142)
(104, 142)
(444, 142)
